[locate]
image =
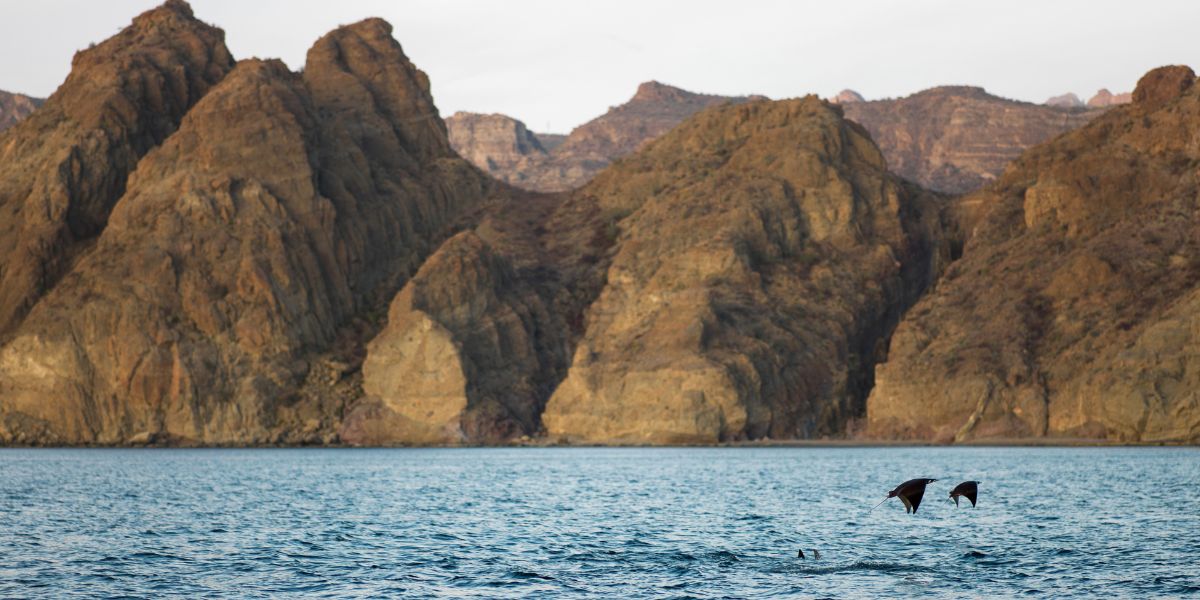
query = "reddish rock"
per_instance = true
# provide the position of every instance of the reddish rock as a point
(1106, 99)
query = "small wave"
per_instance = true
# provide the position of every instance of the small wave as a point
(520, 574)
(723, 556)
(871, 566)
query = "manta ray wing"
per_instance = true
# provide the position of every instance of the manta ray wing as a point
(913, 497)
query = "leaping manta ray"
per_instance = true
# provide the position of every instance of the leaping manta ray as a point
(910, 493)
(966, 489)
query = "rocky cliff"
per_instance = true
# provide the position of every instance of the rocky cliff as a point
(502, 146)
(63, 169)
(956, 139)
(1075, 309)
(278, 212)
(732, 280)
(14, 107)
(498, 144)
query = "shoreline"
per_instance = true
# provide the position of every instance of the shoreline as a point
(540, 443)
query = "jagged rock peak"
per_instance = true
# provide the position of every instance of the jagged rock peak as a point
(1162, 85)
(848, 96)
(361, 64)
(63, 168)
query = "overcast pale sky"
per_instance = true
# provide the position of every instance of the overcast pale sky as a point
(557, 63)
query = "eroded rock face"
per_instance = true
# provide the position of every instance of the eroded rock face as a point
(507, 152)
(1075, 309)
(14, 107)
(283, 208)
(63, 169)
(469, 354)
(498, 144)
(763, 251)
(957, 139)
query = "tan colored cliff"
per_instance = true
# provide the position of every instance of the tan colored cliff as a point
(63, 169)
(14, 107)
(955, 139)
(282, 211)
(498, 144)
(1075, 309)
(762, 253)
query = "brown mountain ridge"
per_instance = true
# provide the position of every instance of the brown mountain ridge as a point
(198, 251)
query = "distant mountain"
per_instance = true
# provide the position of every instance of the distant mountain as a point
(14, 107)
(950, 139)
(1105, 99)
(495, 142)
(498, 144)
(1068, 100)
(955, 139)
(847, 97)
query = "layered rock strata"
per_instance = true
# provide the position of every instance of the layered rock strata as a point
(956, 139)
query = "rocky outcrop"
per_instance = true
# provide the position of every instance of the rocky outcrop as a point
(63, 169)
(1106, 99)
(765, 252)
(283, 211)
(731, 281)
(505, 150)
(14, 107)
(1068, 100)
(1075, 308)
(498, 144)
(957, 139)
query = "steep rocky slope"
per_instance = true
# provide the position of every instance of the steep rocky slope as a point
(62, 169)
(956, 139)
(14, 107)
(1075, 309)
(730, 281)
(501, 145)
(282, 211)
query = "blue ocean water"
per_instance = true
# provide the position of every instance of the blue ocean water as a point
(596, 522)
